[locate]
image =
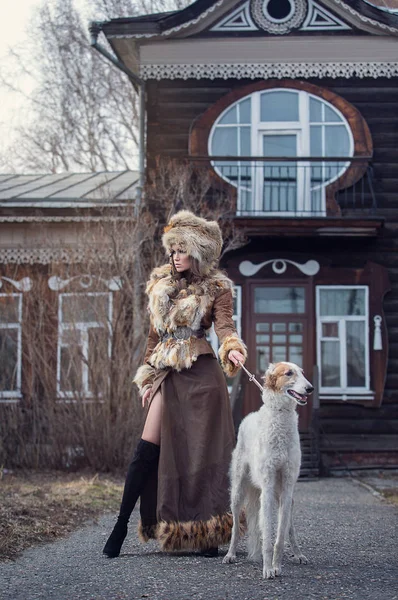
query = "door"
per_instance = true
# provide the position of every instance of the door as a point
(278, 331)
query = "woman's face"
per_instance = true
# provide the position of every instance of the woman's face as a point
(182, 261)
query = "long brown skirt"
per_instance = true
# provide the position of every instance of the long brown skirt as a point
(197, 439)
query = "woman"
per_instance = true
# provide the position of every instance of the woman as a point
(180, 467)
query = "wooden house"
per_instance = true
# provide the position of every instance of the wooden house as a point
(49, 225)
(293, 106)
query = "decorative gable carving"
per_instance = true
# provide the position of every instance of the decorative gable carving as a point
(320, 19)
(280, 18)
(238, 20)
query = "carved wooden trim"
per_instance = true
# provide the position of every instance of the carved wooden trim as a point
(363, 145)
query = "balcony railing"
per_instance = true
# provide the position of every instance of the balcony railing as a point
(297, 187)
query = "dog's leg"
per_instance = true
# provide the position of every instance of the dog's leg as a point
(297, 557)
(252, 518)
(284, 514)
(266, 510)
(238, 493)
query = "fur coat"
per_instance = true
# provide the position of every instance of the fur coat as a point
(191, 487)
(178, 303)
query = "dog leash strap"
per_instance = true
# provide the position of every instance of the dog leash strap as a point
(251, 376)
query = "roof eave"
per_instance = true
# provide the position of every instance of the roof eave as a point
(160, 23)
(372, 12)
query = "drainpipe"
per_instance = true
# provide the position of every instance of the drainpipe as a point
(95, 29)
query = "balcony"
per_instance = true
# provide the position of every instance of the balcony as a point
(330, 196)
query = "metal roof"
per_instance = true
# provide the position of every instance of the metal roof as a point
(383, 11)
(68, 189)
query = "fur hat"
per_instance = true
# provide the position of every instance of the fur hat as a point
(201, 239)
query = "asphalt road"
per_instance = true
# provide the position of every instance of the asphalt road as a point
(348, 534)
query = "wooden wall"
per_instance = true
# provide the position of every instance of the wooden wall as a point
(173, 107)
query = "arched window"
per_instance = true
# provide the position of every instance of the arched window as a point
(278, 127)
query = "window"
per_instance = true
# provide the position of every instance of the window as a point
(343, 347)
(281, 125)
(274, 300)
(84, 344)
(10, 345)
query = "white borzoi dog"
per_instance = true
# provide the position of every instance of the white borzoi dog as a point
(265, 467)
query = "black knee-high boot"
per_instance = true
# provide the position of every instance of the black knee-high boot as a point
(145, 460)
(148, 506)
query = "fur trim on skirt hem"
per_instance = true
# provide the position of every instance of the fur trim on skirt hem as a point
(191, 535)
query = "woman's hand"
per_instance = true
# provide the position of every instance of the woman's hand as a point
(236, 357)
(145, 397)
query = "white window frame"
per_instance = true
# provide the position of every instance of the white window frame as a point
(14, 395)
(82, 327)
(302, 129)
(343, 390)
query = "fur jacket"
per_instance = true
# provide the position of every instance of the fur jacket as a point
(179, 303)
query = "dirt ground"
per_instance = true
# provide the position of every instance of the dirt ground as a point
(346, 530)
(38, 507)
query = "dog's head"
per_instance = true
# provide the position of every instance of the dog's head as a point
(287, 379)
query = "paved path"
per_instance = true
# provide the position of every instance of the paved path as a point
(349, 535)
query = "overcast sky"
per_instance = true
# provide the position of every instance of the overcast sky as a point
(13, 24)
(15, 17)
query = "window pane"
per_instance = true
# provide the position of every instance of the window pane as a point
(279, 106)
(278, 326)
(330, 330)
(337, 142)
(342, 302)
(278, 339)
(244, 179)
(295, 339)
(245, 111)
(262, 326)
(231, 171)
(330, 364)
(230, 117)
(245, 143)
(98, 359)
(279, 353)
(295, 327)
(280, 145)
(331, 115)
(356, 354)
(262, 360)
(279, 300)
(8, 359)
(316, 141)
(262, 339)
(315, 111)
(71, 369)
(296, 355)
(225, 142)
(81, 308)
(9, 308)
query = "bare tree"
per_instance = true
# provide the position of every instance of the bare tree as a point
(85, 327)
(80, 111)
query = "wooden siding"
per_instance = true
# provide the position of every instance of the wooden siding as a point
(173, 107)
(265, 50)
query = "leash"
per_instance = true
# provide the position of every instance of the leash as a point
(252, 377)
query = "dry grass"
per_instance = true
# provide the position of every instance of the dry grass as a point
(385, 482)
(391, 495)
(39, 507)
